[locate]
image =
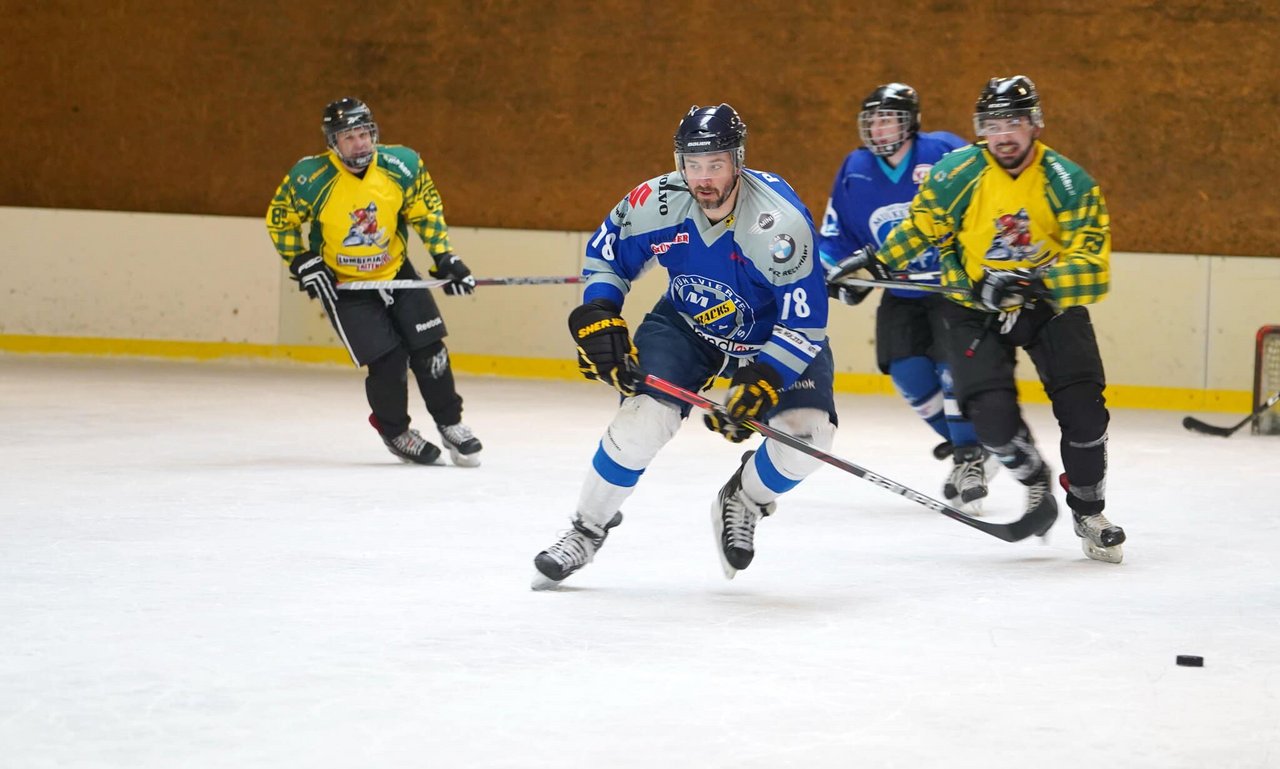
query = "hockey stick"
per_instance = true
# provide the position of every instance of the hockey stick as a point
(1038, 268)
(1195, 425)
(533, 280)
(1020, 529)
(930, 288)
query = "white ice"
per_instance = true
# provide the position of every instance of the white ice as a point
(219, 565)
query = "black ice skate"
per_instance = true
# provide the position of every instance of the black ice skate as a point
(1099, 538)
(410, 446)
(1040, 500)
(577, 548)
(733, 519)
(464, 447)
(966, 487)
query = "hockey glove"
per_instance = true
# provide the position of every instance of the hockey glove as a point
(450, 267)
(862, 259)
(605, 351)
(753, 391)
(850, 295)
(1004, 290)
(313, 276)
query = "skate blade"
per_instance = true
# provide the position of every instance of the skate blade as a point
(1113, 554)
(543, 582)
(464, 460)
(973, 508)
(717, 531)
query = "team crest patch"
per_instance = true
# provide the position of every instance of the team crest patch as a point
(722, 310)
(782, 248)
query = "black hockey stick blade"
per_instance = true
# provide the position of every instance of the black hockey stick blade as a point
(1026, 526)
(1195, 425)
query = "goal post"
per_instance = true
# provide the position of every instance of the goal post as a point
(1266, 379)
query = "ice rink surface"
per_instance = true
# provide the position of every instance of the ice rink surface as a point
(219, 565)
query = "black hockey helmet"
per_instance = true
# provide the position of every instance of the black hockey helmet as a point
(891, 100)
(1008, 97)
(711, 129)
(347, 114)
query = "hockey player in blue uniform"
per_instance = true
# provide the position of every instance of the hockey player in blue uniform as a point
(746, 300)
(871, 194)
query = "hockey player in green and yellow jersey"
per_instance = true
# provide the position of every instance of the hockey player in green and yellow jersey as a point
(1026, 233)
(360, 198)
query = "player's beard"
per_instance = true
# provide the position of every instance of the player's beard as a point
(708, 204)
(1017, 160)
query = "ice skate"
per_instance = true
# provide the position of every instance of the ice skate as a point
(411, 447)
(1040, 499)
(733, 520)
(464, 448)
(1099, 538)
(966, 487)
(577, 548)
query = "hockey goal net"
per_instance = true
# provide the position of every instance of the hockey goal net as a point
(1266, 379)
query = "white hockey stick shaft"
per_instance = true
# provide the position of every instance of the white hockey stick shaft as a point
(533, 280)
(926, 287)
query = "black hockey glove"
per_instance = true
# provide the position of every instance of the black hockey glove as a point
(862, 259)
(313, 276)
(450, 267)
(1004, 290)
(605, 351)
(850, 295)
(753, 391)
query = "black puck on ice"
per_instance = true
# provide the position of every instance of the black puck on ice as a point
(1190, 661)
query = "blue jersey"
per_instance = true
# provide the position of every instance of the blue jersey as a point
(869, 198)
(750, 285)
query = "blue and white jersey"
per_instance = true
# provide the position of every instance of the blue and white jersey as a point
(749, 285)
(869, 198)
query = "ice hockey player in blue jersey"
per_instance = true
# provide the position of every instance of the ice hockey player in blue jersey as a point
(871, 194)
(746, 301)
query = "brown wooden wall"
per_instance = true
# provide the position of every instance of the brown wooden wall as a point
(542, 114)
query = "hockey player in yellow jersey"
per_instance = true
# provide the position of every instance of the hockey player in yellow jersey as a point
(1025, 232)
(360, 199)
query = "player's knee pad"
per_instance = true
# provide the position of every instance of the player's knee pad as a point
(642, 426)
(1082, 414)
(813, 426)
(392, 367)
(994, 414)
(431, 361)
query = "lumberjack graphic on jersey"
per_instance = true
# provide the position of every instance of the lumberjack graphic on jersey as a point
(364, 228)
(1012, 241)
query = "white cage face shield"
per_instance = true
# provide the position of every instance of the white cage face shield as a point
(884, 131)
(355, 146)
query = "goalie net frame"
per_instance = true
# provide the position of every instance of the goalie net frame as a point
(1266, 379)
